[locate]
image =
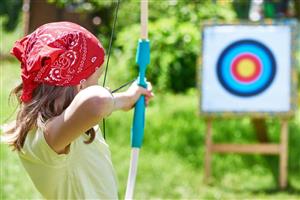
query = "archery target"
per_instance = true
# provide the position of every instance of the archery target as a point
(246, 68)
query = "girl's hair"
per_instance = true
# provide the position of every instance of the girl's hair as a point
(47, 102)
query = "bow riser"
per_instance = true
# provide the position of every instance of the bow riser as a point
(142, 59)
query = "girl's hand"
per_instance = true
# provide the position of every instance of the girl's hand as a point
(126, 100)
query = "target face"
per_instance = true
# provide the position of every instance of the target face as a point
(246, 68)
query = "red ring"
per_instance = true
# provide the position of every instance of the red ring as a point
(257, 69)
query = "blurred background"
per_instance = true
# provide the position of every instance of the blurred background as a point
(172, 156)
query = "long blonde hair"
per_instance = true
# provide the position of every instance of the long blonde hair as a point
(47, 102)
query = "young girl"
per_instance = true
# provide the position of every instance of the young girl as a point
(56, 130)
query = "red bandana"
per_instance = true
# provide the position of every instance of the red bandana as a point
(60, 54)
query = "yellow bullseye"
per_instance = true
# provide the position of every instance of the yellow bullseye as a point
(246, 68)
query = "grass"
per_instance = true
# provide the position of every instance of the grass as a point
(171, 159)
(11, 169)
(8, 39)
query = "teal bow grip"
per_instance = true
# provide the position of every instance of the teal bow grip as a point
(142, 59)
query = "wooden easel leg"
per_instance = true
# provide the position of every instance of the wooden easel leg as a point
(283, 155)
(208, 152)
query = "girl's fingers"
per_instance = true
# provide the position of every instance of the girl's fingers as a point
(147, 99)
(144, 91)
(149, 86)
(147, 92)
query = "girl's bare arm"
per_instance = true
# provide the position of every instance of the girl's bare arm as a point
(86, 110)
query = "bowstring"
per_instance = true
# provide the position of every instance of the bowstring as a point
(108, 55)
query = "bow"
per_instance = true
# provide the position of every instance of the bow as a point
(142, 59)
(137, 131)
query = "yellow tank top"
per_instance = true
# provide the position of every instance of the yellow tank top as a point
(86, 172)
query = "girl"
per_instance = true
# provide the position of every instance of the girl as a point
(56, 132)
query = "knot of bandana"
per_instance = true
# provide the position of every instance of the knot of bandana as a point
(60, 54)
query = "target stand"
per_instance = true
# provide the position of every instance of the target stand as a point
(280, 149)
(248, 71)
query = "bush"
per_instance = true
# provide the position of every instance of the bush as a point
(175, 44)
(173, 56)
(10, 10)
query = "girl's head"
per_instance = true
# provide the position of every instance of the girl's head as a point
(57, 54)
(57, 60)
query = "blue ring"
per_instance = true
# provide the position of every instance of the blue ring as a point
(242, 47)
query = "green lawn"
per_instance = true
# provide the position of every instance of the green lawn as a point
(7, 39)
(171, 160)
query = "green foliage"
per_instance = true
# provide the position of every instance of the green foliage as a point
(242, 8)
(175, 43)
(82, 5)
(173, 56)
(10, 10)
(8, 38)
